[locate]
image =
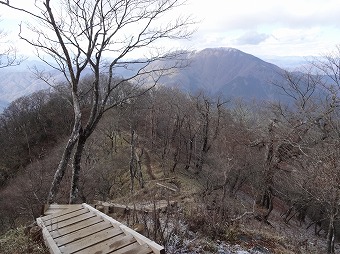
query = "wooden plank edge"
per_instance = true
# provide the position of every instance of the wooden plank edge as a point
(43, 210)
(49, 242)
(156, 248)
(166, 187)
(63, 206)
(59, 213)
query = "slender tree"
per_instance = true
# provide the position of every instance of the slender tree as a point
(99, 35)
(208, 112)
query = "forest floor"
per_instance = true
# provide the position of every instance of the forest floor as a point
(189, 227)
(243, 236)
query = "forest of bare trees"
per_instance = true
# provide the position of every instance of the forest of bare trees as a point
(102, 137)
(79, 35)
(285, 152)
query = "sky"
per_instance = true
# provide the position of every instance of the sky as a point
(262, 27)
(258, 27)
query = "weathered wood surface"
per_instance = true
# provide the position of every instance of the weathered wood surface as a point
(83, 229)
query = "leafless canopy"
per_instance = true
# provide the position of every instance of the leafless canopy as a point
(8, 54)
(101, 35)
(77, 34)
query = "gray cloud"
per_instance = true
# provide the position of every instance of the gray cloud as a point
(251, 38)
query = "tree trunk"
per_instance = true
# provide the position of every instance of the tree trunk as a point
(189, 153)
(139, 170)
(76, 168)
(265, 197)
(268, 203)
(205, 148)
(132, 159)
(331, 235)
(60, 172)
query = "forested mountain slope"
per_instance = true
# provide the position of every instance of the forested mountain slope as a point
(257, 175)
(234, 171)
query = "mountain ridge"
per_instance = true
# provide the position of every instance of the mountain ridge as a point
(227, 71)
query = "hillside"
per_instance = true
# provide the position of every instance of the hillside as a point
(240, 176)
(211, 159)
(15, 84)
(17, 81)
(217, 71)
(228, 72)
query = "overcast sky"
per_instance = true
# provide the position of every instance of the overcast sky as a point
(276, 27)
(258, 27)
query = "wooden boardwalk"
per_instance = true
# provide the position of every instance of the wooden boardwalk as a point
(83, 229)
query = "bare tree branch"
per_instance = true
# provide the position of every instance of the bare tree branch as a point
(81, 35)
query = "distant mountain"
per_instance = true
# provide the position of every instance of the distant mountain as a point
(17, 81)
(228, 72)
(289, 62)
(217, 71)
(14, 84)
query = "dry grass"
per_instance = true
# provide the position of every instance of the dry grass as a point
(15, 241)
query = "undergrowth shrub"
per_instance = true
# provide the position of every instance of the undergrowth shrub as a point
(208, 221)
(15, 241)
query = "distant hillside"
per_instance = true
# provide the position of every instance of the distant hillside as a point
(228, 72)
(17, 81)
(289, 62)
(217, 71)
(14, 84)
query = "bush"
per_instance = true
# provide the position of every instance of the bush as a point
(15, 241)
(209, 222)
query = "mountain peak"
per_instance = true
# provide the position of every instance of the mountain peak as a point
(218, 51)
(226, 71)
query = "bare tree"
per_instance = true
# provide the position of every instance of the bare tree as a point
(8, 53)
(210, 116)
(85, 34)
(313, 119)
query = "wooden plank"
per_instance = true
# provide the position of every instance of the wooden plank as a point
(82, 233)
(52, 211)
(74, 227)
(91, 240)
(61, 209)
(49, 242)
(134, 248)
(61, 212)
(58, 208)
(166, 187)
(64, 217)
(83, 229)
(158, 249)
(63, 206)
(110, 245)
(71, 221)
(142, 239)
